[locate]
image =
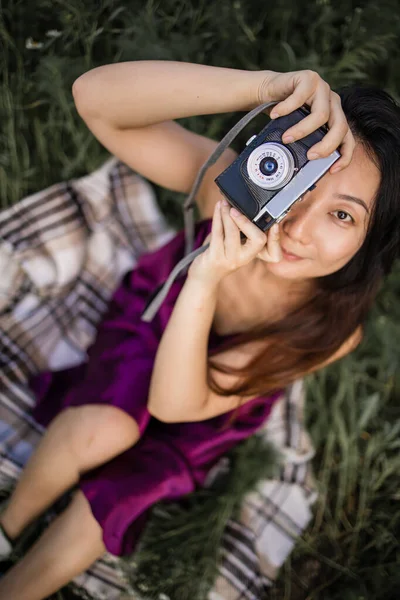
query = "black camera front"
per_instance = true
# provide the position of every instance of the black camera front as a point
(268, 176)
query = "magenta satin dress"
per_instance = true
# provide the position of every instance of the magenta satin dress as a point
(171, 459)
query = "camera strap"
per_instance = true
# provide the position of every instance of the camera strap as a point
(158, 296)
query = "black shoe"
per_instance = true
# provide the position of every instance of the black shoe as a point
(5, 565)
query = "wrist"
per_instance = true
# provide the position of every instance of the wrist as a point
(260, 87)
(206, 285)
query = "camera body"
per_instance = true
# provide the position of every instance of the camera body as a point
(268, 177)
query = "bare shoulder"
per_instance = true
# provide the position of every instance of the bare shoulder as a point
(240, 357)
(350, 344)
(235, 358)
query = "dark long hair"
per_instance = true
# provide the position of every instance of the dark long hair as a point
(311, 334)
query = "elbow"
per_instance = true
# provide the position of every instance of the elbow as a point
(77, 86)
(78, 94)
(82, 96)
(89, 89)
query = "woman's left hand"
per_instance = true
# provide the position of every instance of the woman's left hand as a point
(226, 252)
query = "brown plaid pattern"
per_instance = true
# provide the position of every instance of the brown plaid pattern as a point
(63, 252)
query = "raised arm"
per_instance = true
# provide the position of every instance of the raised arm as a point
(142, 93)
(179, 390)
(130, 107)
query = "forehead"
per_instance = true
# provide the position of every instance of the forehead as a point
(360, 178)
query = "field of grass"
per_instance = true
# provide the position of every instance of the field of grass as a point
(351, 550)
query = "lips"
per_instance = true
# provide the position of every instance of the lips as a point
(289, 256)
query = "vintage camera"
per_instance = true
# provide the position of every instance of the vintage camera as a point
(268, 177)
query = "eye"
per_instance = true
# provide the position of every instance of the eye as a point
(343, 216)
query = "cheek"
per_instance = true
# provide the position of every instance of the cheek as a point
(334, 251)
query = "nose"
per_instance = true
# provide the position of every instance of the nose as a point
(298, 224)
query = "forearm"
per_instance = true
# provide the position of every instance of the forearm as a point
(178, 388)
(140, 93)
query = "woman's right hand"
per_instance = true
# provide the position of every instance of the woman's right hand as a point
(291, 91)
(226, 253)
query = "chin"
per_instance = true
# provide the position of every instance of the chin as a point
(291, 271)
(287, 269)
(296, 271)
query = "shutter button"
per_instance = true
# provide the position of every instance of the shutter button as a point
(253, 137)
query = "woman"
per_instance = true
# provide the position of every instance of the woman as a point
(150, 413)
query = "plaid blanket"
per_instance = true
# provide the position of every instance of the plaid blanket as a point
(63, 252)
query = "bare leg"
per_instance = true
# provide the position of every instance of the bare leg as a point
(78, 440)
(67, 548)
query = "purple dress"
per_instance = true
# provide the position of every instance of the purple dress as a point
(171, 459)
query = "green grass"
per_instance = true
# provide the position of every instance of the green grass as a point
(351, 550)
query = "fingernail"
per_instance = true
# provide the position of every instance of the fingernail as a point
(274, 115)
(224, 201)
(336, 169)
(312, 155)
(288, 139)
(235, 212)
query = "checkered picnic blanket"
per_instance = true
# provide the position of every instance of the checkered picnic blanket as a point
(63, 252)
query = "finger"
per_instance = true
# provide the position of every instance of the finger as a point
(300, 88)
(346, 150)
(320, 111)
(256, 238)
(273, 243)
(272, 251)
(232, 233)
(217, 230)
(338, 129)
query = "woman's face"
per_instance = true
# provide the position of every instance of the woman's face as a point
(325, 230)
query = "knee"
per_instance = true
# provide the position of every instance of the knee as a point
(91, 429)
(66, 428)
(65, 422)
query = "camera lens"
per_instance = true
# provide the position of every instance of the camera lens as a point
(268, 166)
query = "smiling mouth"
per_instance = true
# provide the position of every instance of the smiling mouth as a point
(289, 256)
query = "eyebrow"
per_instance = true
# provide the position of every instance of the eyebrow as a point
(352, 199)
